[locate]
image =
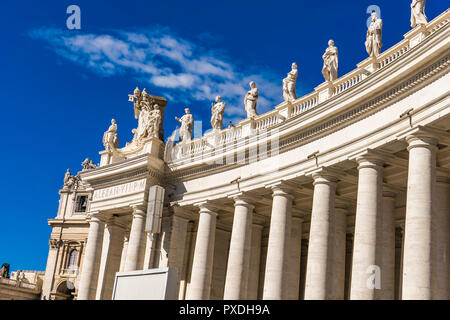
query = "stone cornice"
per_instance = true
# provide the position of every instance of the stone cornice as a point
(358, 112)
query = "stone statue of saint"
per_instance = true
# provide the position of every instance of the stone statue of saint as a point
(217, 112)
(418, 16)
(330, 62)
(87, 164)
(67, 178)
(373, 37)
(187, 126)
(154, 122)
(4, 271)
(290, 83)
(110, 136)
(250, 101)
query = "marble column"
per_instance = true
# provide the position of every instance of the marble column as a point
(123, 257)
(135, 256)
(442, 251)
(178, 245)
(236, 280)
(319, 272)
(275, 282)
(340, 242)
(255, 261)
(89, 271)
(367, 249)
(419, 243)
(388, 248)
(110, 259)
(202, 265)
(293, 287)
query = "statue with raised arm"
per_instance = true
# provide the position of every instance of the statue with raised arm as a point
(217, 112)
(187, 126)
(418, 16)
(250, 101)
(373, 37)
(290, 83)
(109, 137)
(330, 62)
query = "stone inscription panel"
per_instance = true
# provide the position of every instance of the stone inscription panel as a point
(120, 190)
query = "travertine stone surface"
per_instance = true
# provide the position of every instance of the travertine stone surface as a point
(135, 252)
(418, 260)
(319, 273)
(89, 276)
(367, 250)
(239, 256)
(200, 286)
(275, 283)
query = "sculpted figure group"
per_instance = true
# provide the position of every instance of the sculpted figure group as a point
(148, 114)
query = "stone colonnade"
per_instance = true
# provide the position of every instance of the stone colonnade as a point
(371, 273)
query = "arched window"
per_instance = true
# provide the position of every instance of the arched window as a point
(73, 259)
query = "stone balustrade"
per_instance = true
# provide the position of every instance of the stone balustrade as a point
(285, 111)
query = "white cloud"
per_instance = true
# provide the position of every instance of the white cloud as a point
(186, 71)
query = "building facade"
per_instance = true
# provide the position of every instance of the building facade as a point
(340, 194)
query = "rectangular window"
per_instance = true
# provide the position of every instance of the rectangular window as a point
(81, 204)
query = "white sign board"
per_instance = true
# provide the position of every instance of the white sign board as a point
(152, 284)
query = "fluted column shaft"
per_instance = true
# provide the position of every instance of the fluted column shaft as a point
(239, 254)
(294, 259)
(388, 249)
(110, 259)
(419, 243)
(136, 244)
(123, 257)
(275, 282)
(255, 262)
(442, 269)
(340, 242)
(319, 270)
(367, 250)
(89, 271)
(200, 287)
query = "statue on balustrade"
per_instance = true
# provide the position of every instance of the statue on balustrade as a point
(374, 35)
(217, 112)
(330, 62)
(4, 271)
(148, 114)
(70, 180)
(250, 101)
(87, 164)
(290, 84)
(110, 137)
(418, 16)
(187, 126)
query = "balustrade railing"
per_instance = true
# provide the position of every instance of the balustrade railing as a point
(288, 110)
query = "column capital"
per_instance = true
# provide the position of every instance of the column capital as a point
(422, 141)
(370, 157)
(243, 199)
(324, 176)
(138, 210)
(207, 207)
(94, 216)
(281, 188)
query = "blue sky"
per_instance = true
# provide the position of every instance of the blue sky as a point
(59, 88)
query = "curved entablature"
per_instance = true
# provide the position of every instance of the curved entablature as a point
(372, 76)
